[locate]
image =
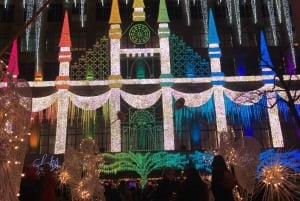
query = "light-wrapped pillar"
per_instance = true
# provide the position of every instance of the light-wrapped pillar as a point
(62, 121)
(115, 128)
(168, 118)
(275, 126)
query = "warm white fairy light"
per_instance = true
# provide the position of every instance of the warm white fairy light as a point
(271, 11)
(204, 14)
(277, 182)
(278, 10)
(254, 10)
(289, 27)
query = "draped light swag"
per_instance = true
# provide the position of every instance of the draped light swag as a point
(193, 99)
(141, 101)
(42, 103)
(89, 102)
(245, 98)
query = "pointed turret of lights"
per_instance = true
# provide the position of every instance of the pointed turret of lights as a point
(163, 20)
(115, 31)
(214, 51)
(265, 63)
(13, 66)
(65, 41)
(64, 55)
(138, 14)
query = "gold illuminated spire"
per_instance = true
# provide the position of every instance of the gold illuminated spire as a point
(115, 13)
(138, 14)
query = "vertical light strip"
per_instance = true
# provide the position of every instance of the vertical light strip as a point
(229, 10)
(115, 56)
(289, 28)
(271, 11)
(238, 19)
(169, 143)
(5, 3)
(278, 9)
(204, 14)
(274, 120)
(165, 56)
(254, 10)
(82, 14)
(220, 111)
(115, 127)
(62, 121)
(38, 23)
(29, 12)
(186, 4)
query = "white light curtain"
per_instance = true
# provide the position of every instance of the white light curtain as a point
(193, 99)
(245, 98)
(42, 103)
(141, 101)
(89, 102)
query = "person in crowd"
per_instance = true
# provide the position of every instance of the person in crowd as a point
(167, 188)
(193, 187)
(48, 183)
(30, 185)
(223, 181)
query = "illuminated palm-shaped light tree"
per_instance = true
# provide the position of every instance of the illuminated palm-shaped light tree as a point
(142, 163)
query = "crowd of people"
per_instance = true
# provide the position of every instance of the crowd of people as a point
(186, 185)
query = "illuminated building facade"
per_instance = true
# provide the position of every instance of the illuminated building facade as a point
(156, 74)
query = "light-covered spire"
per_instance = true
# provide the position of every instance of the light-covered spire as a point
(163, 16)
(65, 41)
(138, 14)
(115, 13)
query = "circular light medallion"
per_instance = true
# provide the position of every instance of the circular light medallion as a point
(139, 34)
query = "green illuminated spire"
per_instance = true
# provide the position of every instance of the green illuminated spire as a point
(163, 16)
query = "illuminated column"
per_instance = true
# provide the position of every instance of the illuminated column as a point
(115, 77)
(115, 127)
(62, 85)
(168, 117)
(214, 53)
(164, 33)
(275, 126)
(62, 121)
